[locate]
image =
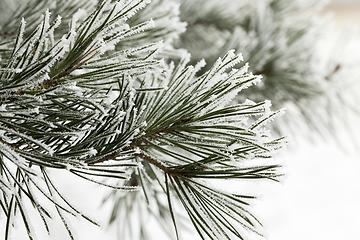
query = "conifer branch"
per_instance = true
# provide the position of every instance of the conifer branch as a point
(85, 100)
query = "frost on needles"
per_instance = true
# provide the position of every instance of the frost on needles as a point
(86, 100)
(280, 39)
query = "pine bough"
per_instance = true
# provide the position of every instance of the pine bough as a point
(97, 100)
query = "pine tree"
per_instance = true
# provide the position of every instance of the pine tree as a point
(100, 92)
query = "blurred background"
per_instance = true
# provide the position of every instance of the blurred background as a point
(320, 195)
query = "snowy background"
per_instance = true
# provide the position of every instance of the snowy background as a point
(320, 195)
(318, 199)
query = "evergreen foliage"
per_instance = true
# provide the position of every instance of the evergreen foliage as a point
(279, 38)
(94, 92)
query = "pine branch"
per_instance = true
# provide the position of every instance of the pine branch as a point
(278, 39)
(85, 102)
(196, 138)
